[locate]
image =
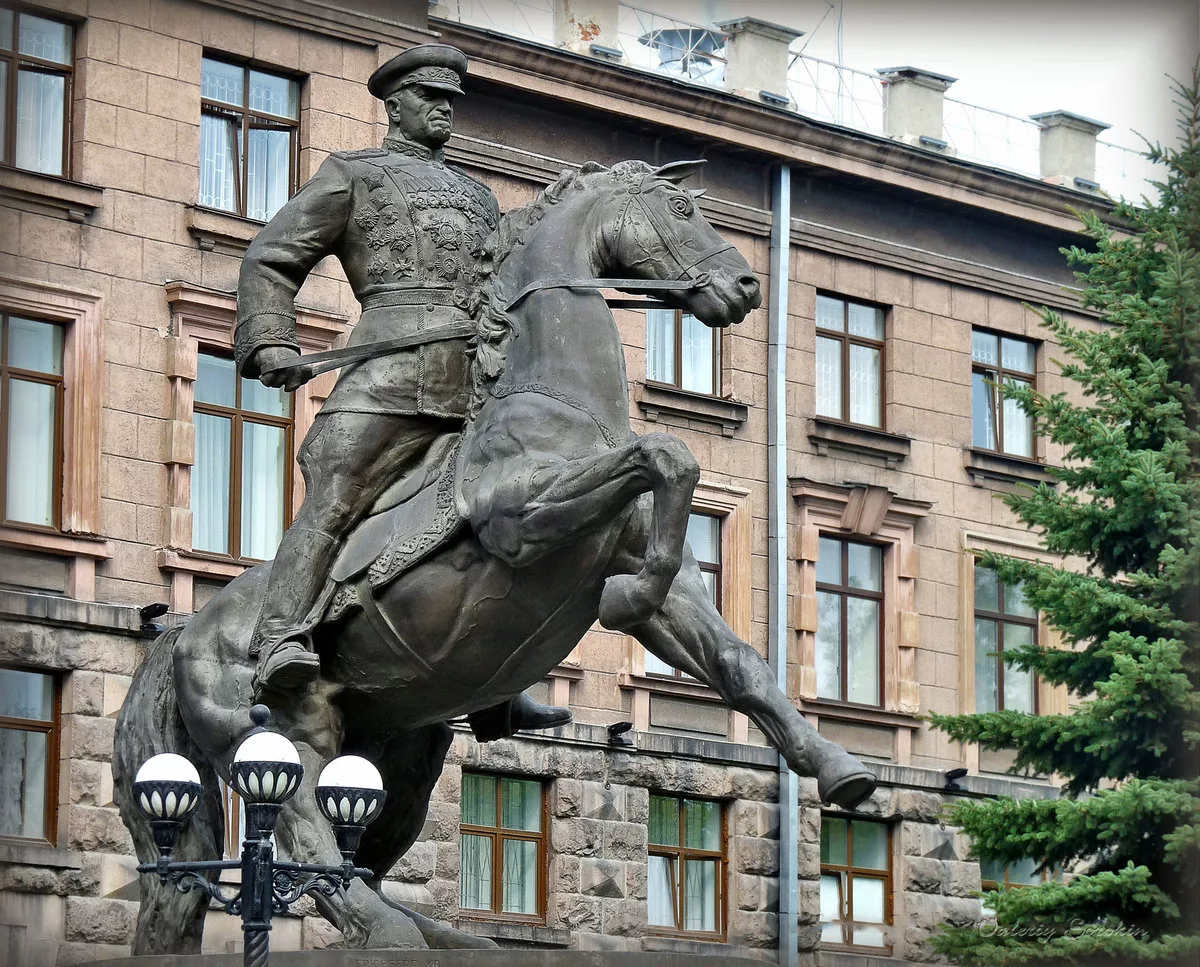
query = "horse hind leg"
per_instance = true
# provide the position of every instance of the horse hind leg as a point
(169, 922)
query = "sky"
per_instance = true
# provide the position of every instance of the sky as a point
(1105, 59)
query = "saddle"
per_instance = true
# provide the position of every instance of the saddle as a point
(413, 518)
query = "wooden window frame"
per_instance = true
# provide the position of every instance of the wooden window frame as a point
(45, 379)
(498, 834)
(845, 872)
(238, 418)
(682, 853)
(1002, 618)
(53, 732)
(845, 591)
(997, 375)
(246, 113)
(15, 60)
(677, 350)
(847, 340)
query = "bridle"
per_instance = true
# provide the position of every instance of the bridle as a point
(686, 280)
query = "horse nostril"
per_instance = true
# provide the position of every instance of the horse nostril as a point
(749, 285)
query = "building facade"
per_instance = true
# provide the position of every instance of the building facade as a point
(851, 444)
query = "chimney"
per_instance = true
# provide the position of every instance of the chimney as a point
(588, 27)
(912, 106)
(1067, 149)
(757, 59)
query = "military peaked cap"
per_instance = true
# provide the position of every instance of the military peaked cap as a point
(431, 65)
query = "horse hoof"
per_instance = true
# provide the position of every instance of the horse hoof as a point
(623, 603)
(845, 782)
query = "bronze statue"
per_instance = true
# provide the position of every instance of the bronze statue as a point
(485, 555)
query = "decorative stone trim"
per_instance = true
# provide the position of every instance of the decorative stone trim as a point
(220, 231)
(83, 382)
(984, 465)
(32, 191)
(526, 933)
(561, 677)
(83, 553)
(59, 612)
(861, 511)
(654, 399)
(861, 441)
(33, 854)
(201, 316)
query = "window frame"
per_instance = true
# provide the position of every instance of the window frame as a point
(682, 853)
(237, 418)
(847, 340)
(498, 834)
(997, 375)
(1001, 618)
(15, 59)
(845, 591)
(849, 870)
(46, 379)
(220, 108)
(677, 350)
(53, 732)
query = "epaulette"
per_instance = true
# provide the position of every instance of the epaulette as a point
(361, 154)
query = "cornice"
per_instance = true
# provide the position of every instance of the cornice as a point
(330, 20)
(774, 134)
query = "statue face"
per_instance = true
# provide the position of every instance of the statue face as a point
(422, 114)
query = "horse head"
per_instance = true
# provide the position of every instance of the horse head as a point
(658, 232)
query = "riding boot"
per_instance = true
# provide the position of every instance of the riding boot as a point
(518, 715)
(286, 662)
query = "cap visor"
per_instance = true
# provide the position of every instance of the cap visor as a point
(442, 86)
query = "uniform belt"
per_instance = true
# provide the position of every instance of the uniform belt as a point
(411, 297)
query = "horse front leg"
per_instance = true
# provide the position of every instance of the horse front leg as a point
(689, 633)
(528, 515)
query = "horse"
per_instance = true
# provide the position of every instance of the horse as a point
(569, 517)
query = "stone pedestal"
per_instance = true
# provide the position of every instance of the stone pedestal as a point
(512, 957)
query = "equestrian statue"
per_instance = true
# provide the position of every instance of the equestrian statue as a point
(476, 499)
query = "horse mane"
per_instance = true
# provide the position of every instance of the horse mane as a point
(493, 325)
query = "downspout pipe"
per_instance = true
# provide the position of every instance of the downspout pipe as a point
(777, 549)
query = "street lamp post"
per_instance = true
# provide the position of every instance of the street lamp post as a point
(266, 772)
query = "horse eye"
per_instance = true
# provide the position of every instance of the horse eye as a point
(681, 206)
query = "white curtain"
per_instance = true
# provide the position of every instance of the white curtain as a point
(829, 645)
(829, 378)
(986, 678)
(697, 350)
(660, 345)
(1018, 426)
(32, 411)
(267, 167)
(700, 892)
(264, 450)
(865, 386)
(22, 784)
(862, 650)
(660, 892)
(475, 877)
(831, 908)
(210, 484)
(219, 153)
(40, 102)
(519, 882)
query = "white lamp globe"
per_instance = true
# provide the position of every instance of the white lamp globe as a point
(169, 767)
(267, 747)
(352, 772)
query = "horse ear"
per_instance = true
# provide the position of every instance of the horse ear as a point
(591, 168)
(698, 192)
(676, 171)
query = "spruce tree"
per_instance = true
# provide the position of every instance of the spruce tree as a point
(1125, 515)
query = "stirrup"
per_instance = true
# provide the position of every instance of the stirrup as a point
(288, 667)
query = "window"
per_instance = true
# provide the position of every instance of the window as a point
(849, 361)
(503, 847)
(36, 54)
(248, 139)
(849, 620)
(1000, 361)
(856, 881)
(704, 536)
(242, 475)
(31, 410)
(682, 351)
(686, 884)
(28, 754)
(1003, 619)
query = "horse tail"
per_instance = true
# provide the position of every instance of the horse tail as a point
(150, 723)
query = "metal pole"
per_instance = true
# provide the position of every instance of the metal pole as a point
(777, 551)
(257, 880)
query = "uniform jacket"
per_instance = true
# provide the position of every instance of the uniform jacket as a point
(409, 232)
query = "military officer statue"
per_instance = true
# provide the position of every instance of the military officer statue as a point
(409, 233)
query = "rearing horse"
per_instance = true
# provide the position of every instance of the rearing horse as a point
(570, 518)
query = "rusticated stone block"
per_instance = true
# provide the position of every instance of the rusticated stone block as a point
(578, 913)
(808, 936)
(809, 901)
(417, 865)
(447, 861)
(565, 798)
(753, 855)
(624, 918)
(923, 875)
(92, 920)
(637, 804)
(91, 737)
(84, 782)
(604, 803)
(565, 874)
(754, 929)
(624, 841)
(929, 910)
(749, 818)
(602, 878)
(97, 829)
(962, 878)
(28, 879)
(84, 693)
(914, 804)
(579, 837)
(635, 881)
(753, 784)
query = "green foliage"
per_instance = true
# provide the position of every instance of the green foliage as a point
(1124, 513)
